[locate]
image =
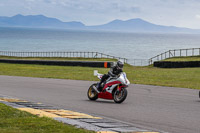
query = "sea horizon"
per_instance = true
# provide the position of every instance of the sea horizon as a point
(121, 44)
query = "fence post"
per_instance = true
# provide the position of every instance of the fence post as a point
(150, 61)
(193, 52)
(174, 53)
(199, 51)
(186, 52)
(96, 54)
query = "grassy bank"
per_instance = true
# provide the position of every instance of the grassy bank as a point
(15, 121)
(181, 77)
(189, 58)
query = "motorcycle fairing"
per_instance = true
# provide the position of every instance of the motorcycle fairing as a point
(105, 95)
(107, 90)
(110, 85)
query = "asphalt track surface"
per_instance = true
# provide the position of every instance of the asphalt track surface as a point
(174, 110)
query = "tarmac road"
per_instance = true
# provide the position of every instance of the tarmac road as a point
(175, 110)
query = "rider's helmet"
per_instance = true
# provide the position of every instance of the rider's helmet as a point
(119, 65)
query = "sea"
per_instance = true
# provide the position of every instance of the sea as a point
(132, 46)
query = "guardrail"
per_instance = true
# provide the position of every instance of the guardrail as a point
(61, 54)
(175, 53)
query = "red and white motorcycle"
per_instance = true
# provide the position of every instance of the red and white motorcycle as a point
(114, 88)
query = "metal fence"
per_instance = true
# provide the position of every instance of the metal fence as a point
(175, 53)
(135, 62)
(139, 62)
(61, 54)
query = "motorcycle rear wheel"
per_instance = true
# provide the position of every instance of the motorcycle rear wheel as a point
(92, 94)
(199, 94)
(119, 97)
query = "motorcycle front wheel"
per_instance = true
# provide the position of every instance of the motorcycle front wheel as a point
(120, 96)
(92, 94)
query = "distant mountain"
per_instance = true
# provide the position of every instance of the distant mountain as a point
(37, 21)
(139, 25)
(132, 25)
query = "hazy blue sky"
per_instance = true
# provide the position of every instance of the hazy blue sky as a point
(182, 13)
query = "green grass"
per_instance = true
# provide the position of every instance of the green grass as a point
(15, 121)
(189, 58)
(58, 58)
(45, 71)
(181, 77)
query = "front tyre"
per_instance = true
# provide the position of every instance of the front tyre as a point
(92, 94)
(120, 96)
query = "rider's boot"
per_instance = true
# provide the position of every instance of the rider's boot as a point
(99, 87)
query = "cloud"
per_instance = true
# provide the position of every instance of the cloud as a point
(93, 12)
(30, 0)
(135, 9)
(197, 16)
(1, 5)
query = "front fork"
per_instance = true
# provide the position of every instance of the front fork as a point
(119, 87)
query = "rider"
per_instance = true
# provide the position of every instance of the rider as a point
(114, 71)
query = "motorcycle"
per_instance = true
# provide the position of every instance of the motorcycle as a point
(114, 88)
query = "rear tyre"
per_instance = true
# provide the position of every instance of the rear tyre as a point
(199, 94)
(120, 96)
(92, 94)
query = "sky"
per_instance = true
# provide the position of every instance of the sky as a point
(180, 13)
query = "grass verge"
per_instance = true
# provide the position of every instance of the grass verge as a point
(181, 77)
(15, 121)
